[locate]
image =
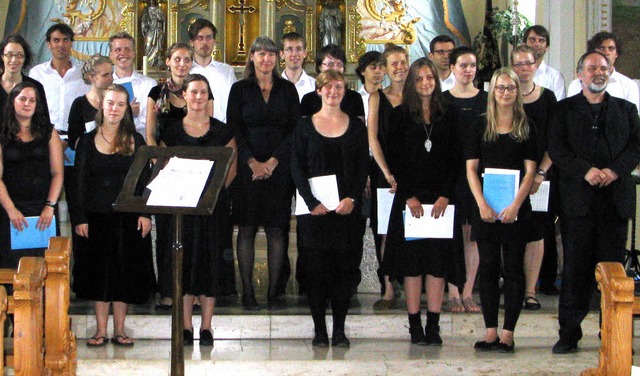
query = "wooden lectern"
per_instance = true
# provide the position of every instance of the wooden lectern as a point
(133, 199)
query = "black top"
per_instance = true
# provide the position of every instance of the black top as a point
(100, 176)
(540, 113)
(346, 156)
(42, 98)
(426, 175)
(219, 134)
(81, 113)
(26, 169)
(466, 111)
(163, 118)
(263, 129)
(351, 104)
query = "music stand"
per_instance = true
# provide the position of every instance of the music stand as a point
(130, 201)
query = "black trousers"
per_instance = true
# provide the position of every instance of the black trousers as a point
(507, 243)
(601, 235)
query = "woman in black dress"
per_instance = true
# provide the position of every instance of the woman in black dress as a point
(31, 169)
(538, 105)
(263, 110)
(395, 61)
(468, 104)
(205, 237)
(424, 156)
(503, 139)
(329, 243)
(115, 267)
(16, 55)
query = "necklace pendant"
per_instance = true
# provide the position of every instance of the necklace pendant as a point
(427, 145)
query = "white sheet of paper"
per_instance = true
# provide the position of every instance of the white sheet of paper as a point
(385, 200)
(89, 126)
(427, 227)
(540, 201)
(325, 189)
(180, 183)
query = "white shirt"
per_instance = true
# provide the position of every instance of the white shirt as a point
(365, 101)
(619, 86)
(220, 76)
(551, 79)
(448, 83)
(60, 91)
(141, 86)
(305, 84)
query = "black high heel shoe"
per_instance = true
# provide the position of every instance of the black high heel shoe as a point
(187, 337)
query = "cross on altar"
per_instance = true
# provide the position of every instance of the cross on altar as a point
(241, 9)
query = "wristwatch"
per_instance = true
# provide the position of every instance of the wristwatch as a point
(50, 203)
(541, 172)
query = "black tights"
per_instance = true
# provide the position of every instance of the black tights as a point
(340, 298)
(246, 257)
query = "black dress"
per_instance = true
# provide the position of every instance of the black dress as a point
(427, 176)
(42, 98)
(351, 104)
(540, 113)
(116, 264)
(205, 238)
(164, 118)
(81, 113)
(263, 130)
(27, 176)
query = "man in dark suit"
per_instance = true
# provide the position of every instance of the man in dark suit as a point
(594, 141)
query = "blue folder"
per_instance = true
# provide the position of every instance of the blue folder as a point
(71, 156)
(31, 237)
(499, 190)
(127, 85)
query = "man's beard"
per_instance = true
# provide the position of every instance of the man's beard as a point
(597, 88)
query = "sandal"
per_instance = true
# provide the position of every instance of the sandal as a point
(121, 340)
(531, 303)
(470, 306)
(97, 341)
(455, 306)
(384, 304)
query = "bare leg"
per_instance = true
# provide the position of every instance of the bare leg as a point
(389, 293)
(187, 308)
(491, 335)
(412, 291)
(208, 304)
(506, 337)
(102, 317)
(532, 261)
(435, 293)
(119, 315)
(471, 261)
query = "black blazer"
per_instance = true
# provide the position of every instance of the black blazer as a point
(570, 149)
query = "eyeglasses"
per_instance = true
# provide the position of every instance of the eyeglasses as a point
(331, 64)
(292, 49)
(605, 48)
(501, 88)
(10, 56)
(201, 38)
(442, 52)
(524, 64)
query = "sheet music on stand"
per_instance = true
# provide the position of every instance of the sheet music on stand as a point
(180, 182)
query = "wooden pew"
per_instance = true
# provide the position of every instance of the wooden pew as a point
(618, 306)
(47, 296)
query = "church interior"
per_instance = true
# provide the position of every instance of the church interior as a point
(278, 342)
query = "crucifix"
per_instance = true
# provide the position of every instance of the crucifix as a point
(241, 9)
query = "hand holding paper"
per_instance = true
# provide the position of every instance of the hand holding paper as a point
(17, 219)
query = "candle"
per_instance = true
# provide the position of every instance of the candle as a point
(145, 63)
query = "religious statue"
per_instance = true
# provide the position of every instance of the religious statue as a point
(330, 24)
(154, 25)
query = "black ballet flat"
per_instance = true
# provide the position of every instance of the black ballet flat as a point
(487, 346)
(504, 348)
(339, 339)
(250, 303)
(320, 340)
(206, 337)
(187, 337)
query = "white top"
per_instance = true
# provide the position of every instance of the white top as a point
(365, 101)
(620, 86)
(60, 91)
(551, 79)
(448, 83)
(141, 86)
(220, 76)
(305, 84)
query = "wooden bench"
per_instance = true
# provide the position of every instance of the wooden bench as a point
(618, 306)
(43, 343)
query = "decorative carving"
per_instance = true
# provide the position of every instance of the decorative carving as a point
(154, 25)
(128, 16)
(291, 4)
(92, 20)
(356, 45)
(241, 9)
(190, 4)
(598, 16)
(330, 23)
(386, 21)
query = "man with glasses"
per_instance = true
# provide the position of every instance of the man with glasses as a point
(333, 57)
(61, 76)
(122, 51)
(619, 86)
(440, 47)
(202, 37)
(293, 50)
(537, 37)
(594, 141)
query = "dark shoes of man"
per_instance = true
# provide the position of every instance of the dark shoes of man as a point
(564, 347)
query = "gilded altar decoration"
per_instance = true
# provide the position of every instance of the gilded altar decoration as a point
(242, 27)
(92, 20)
(154, 31)
(386, 21)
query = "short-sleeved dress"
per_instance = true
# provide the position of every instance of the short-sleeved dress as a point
(263, 130)
(205, 238)
(116, 264)
(540, 113)
(427, 175)
(27, 176)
